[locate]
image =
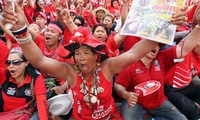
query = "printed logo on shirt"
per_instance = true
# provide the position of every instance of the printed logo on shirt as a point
(11, 91)
(156, 65)
(138, 71)
(27, 92)
(100, 112)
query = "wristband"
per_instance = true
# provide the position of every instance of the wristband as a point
(20, 31)
(24, 40)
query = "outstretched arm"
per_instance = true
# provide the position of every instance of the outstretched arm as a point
(184, 47)
(31, 50)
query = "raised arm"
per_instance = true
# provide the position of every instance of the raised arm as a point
(120, 38)
(65, 18)
(139, 50)
(143, 47)
(31, 50)
(184, 47)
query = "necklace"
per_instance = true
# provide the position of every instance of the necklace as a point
(91, 96)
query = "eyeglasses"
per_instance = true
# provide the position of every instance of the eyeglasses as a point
(15, 62)
(78, 24)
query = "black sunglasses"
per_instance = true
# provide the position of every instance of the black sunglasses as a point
(14, 62)
(78, 24)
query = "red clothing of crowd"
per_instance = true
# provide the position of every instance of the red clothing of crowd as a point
(15, 95)
(4, 53)
(181, 74)
(101, 111)
(138, 73)
(57, 54)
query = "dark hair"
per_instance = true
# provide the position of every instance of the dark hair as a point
(30, 70)
(38, 8)
(81, 19)
(102, 25)
(113, 1)
(69, 3)
(60, 25)
(110, 15)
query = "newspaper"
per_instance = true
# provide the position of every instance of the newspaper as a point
(151, 19)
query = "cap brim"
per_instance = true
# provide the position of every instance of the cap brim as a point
(71, 47)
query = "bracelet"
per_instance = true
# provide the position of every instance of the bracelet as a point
(24, 40)
(197, 26)
(20, 31)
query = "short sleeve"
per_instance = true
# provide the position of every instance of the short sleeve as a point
(39, 86)
(124, 78)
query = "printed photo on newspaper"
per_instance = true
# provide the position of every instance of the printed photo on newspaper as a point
(151, 19)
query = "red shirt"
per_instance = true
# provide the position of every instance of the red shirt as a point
(181, 74)
(16, 95)
(138, 73)
(28, 11)
(67, 36)
(3, 53)
(57, 54)
(13, 41)
(114, 51)
(106, 107)
(130, 41)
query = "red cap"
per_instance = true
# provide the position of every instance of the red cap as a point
(43, 15)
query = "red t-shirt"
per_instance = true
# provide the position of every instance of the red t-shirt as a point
(3, 53)
(28, 11)
(105, 108)
(181, 74)
(138, 73)
(67, 36)
(130, 41)
(114, 51)
(13, 41)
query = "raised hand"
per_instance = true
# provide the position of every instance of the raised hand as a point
(17, 18)
(179, 18)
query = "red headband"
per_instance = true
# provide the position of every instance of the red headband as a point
(54, 26)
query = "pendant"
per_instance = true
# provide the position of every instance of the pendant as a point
(81, 85)
(93, 99)
(86, 98)
(92, 90)
(100, 90)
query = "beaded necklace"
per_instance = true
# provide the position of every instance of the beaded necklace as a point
(90, 97)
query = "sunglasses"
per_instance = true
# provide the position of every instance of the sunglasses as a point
(15, 62)
(78, 24)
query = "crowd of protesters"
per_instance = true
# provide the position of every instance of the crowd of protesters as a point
(75, 47)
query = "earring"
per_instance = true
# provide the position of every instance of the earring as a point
(98, 64)
(76, 67)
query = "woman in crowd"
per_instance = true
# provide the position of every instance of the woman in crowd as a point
(16, 81)
(109, 20)
(90, 78)
(100, 13)
(79, 21)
